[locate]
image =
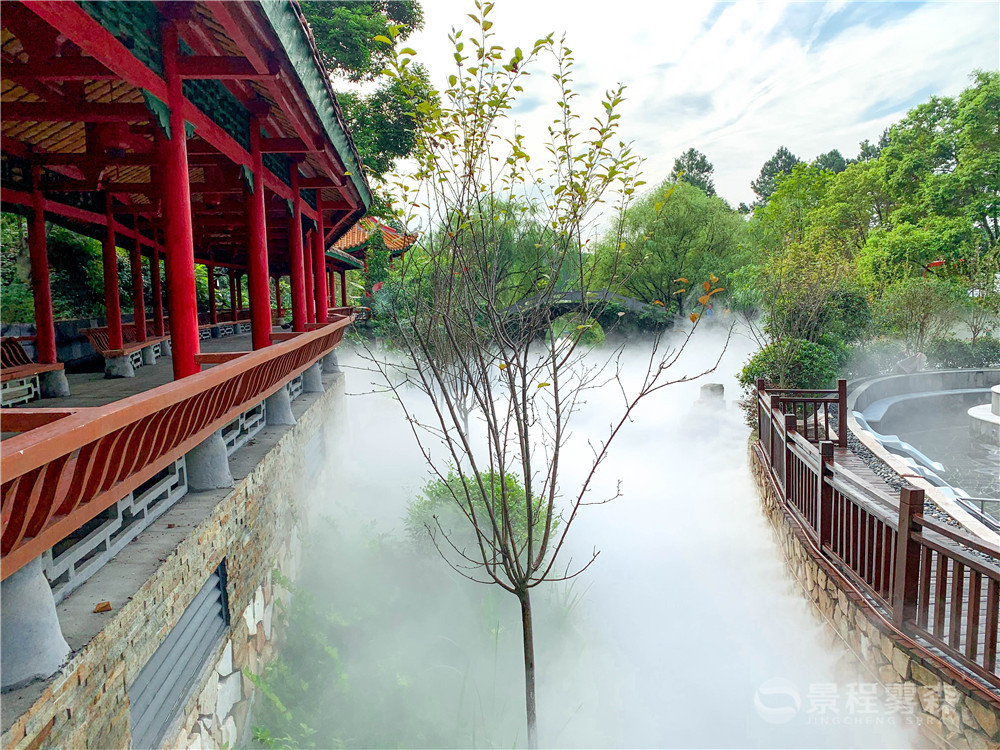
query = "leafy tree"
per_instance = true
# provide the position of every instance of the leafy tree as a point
(465, 167)
(831, 161)
(675, 233)
(791, 363)
(868, 151)
(781, 163)
(920, 309)
(346, 34)
(377, 257)
(694, 167)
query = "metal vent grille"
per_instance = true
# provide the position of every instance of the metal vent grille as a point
(162, 686)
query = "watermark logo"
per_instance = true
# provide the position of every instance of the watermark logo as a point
(777, 700)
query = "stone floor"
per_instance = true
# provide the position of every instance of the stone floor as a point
(93, 389)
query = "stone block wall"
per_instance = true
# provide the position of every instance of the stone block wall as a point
(256, 528)
(952, 714)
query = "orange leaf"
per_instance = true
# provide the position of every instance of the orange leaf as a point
(703, 299)
(680, 291)
(103, 607)
(657, 302)
(681, 280)
(706, 286)
(694, 317)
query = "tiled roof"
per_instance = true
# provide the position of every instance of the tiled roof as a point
(355, 238)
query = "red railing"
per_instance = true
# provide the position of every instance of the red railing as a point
(935, 583)
(812, 410)
(67, 466)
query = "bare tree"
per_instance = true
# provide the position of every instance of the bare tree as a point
(496, 228)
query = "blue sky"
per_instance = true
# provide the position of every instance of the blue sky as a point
(737, 80)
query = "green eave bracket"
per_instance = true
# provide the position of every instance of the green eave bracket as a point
(161, 113)
(285, 23)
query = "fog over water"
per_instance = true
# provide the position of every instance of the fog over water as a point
(686, 632)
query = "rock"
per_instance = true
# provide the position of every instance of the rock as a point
(258, 608)
(248, 618)
(268, 615)
(225, 665)
(986, 717)
(930, 701)
(979, 741)
(900, 662)
(194, 741)
(952, 695)
(207, 698)
(950, 718)
(887, 675)
(923, 675)
(229, 734)
(230, 691)
(932, 725)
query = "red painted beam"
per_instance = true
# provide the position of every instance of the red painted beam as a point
(286, 146)
(222, 69)
(58, 69)
(73, 213)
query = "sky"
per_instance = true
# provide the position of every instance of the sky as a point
(736, 80)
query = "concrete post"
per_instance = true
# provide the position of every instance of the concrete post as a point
(279, 408)
(118, 367)
(312, 380)
(32, 642)
(53, 384)
(148, 356)
(208, 465)
(331, 365)
(166, 350)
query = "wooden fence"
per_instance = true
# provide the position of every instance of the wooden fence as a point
(937, 584)
(68, 465)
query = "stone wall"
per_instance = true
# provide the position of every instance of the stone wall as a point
(951, 714)
(255, 527)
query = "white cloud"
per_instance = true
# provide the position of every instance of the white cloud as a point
(738, 80)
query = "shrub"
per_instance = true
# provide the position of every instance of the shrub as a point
(791, 363)
(958, 353)
(438, 509)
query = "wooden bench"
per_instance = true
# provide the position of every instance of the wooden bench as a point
(19, 375)
(131, 351)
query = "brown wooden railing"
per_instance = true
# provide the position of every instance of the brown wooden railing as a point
(66, 467)
(936, 584)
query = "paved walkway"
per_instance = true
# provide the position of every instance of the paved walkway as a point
(93, 389)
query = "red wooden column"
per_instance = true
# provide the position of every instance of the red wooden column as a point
(277, 296)
(109, 258)
(258, 283)
(154, 273)
(41, 289)
(177, 220)
(213, 307)
(319, 263)
(138, 300)
(232, 294)
(298, 282)
(310, 284)
(343, 288)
